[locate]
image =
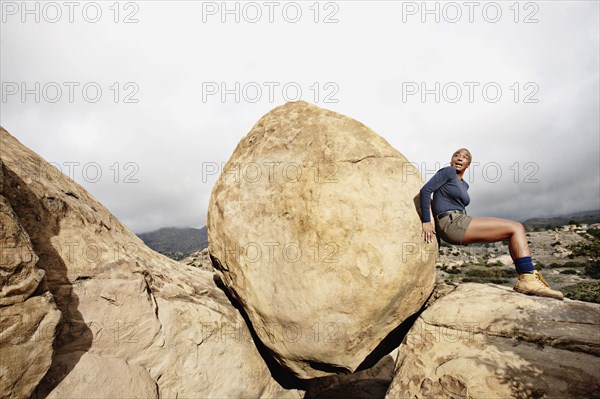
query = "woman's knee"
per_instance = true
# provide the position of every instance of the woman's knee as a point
(518, 228)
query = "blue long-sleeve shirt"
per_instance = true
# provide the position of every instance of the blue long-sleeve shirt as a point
(449, 193)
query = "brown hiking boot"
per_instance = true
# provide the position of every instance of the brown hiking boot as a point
(535, 284)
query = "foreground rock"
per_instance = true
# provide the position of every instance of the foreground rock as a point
(312, 226)
(486, 341)
(134, 323)
(28, 313)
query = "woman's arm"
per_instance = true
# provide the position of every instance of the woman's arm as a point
(442, 176)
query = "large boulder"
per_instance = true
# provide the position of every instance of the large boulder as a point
(134, 322)
(313, 228)
(487, 341)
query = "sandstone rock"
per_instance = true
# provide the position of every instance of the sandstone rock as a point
(486, 341)
(561, 252)
(505, 260)
(128, 312)
(312, 226)
(28, 330)
(113, 377)
(28, 316)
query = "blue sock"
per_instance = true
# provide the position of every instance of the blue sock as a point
(524, 265)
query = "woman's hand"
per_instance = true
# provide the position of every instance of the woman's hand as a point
(428, 231)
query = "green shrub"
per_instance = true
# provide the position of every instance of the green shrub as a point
(588, 291)
(570, 263)
(590, 248)
(454, 270)
(594, 233)
(568, 271)
(491, 273)
(593, 269)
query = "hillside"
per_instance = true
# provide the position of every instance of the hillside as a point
(176, 242)
(585, 217)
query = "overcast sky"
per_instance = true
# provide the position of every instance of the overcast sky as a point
(517, 84)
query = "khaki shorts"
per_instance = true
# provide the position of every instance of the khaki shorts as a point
(451, 228)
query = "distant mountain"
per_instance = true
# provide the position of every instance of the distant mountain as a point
(587, 217)
(176, 242)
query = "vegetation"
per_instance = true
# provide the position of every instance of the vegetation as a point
(594, 233)
(588, 291)
(172, 240)
(484, 280)
(453, 270)
(568, 271)
(496, 263)
(490, 273)
(174, 255)
(593, 269)
(570, 263)
(590, 248)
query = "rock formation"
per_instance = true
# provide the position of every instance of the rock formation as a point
(134, 323)
(486, 341)
(28, 315)
(313, 228)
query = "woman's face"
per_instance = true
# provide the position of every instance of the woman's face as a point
(460, 160)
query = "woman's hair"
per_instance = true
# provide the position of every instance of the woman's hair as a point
(468, 152)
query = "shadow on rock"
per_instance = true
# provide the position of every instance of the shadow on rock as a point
(40, 219)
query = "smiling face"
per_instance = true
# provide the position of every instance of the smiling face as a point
(461, 159)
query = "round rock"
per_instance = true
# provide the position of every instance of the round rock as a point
(313, 227)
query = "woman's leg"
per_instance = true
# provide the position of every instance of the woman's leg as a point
(483, 229)
(495, 229)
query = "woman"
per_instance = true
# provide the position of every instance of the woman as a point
(453, 225)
